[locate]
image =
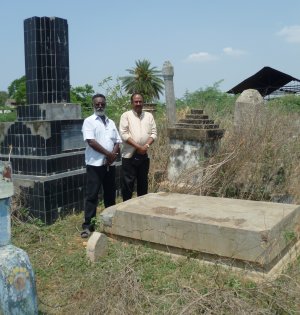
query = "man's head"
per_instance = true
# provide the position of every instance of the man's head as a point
(137, 102)
(99, 103)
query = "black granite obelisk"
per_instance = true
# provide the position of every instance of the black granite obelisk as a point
(47, 149)
(47, 60)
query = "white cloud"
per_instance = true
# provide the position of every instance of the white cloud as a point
(290, 33)
(200, 57)
(233, 52)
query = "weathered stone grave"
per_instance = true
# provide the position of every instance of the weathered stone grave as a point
(249, 111)
(192, 140)
(258, 238)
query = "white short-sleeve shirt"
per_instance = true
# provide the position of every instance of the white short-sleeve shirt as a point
(105, 134)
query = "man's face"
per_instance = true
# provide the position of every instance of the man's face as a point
(137, 103)
(99, 106)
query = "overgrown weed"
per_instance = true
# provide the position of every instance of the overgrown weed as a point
(261, 163)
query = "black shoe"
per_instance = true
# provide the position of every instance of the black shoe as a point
(85, 233)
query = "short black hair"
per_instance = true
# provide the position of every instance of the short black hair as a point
(134, 94)
(98, 95)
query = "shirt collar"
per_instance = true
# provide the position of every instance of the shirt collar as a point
(97, 117)
(140, 117)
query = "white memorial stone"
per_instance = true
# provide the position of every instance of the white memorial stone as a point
(248, 112)
(97, 246)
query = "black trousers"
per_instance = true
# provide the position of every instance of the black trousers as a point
(98, 176)
(134, 170)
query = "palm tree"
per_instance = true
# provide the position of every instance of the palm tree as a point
(143, 79)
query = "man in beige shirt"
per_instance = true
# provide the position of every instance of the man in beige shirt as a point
(138, 131)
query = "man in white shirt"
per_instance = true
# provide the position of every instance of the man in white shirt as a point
(102, 146)
(138, 131)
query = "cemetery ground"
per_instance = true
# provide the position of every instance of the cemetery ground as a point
(261, 164)
(135, 279)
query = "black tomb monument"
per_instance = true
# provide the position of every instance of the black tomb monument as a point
(45, 144)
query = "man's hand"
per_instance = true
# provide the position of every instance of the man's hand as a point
(111, 157)
(142, 149)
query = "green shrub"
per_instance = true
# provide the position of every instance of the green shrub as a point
(288, 103)
(7, 117)
(211, 100)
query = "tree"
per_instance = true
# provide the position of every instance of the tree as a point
(83, 95)
(3, 97)
(117, 102)
(143, 79)
(17, 90)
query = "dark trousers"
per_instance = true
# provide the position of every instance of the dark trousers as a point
(97, 176)
(134, 170)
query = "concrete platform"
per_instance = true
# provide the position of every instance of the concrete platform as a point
(247, 234)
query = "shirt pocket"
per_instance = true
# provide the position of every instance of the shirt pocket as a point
(112, 135)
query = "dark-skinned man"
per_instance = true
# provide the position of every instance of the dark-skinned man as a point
(102, 146)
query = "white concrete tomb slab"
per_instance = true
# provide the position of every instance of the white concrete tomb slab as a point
(250, 232)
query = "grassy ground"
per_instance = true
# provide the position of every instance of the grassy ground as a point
(135, 279)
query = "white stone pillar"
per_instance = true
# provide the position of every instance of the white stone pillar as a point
(168, 74)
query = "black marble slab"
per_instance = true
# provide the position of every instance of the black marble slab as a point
(41, 138)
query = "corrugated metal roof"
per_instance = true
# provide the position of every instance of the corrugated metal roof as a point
(265, 81)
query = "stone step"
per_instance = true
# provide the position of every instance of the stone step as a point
(196, 126)
(194, 116)
(196, 111)
(196, 121)
(194, 134)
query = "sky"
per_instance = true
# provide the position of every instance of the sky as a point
(206, 41)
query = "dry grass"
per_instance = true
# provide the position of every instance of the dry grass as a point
(261, 162)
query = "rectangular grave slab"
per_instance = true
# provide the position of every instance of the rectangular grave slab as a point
(251, 233)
